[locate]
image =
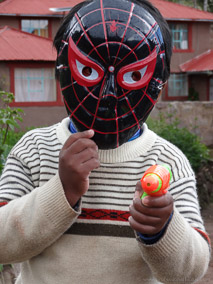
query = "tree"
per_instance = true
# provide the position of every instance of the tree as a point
(206, 5)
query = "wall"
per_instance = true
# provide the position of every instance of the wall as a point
(9, 21)
(200, 84)
(196, 116)
(201, 34)
(33, 116)
(4, 77)
(201, 42)
(55, 25)
(42, 116)
(211, 35)
(15, 22)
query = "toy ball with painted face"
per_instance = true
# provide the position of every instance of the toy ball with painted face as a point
(111, 65)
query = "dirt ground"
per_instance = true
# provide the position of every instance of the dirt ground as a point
(208, 219)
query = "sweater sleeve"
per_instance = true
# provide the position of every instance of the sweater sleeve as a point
(32, 218)
(182, 255)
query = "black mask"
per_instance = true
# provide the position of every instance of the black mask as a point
(111, 65)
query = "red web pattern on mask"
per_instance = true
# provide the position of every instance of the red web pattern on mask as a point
(115, 64)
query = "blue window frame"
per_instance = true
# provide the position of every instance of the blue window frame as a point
(180, 35)
(178, 85)
(35, 85)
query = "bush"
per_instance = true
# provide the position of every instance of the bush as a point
(190, 144)
(167, 126)
(9, 118)
(193, 95)
(11, 140)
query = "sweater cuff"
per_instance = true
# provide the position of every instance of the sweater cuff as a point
(76, 206)
(150, 240)
(171, 240)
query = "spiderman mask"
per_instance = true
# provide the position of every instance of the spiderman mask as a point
(111, 66)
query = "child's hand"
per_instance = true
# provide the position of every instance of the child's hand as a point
(150, 215)
(78, 157)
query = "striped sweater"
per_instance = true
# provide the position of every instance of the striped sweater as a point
(95, 244)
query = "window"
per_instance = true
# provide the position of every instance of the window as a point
(180, 36)
(34, 85)
(36, 27)
(178, 85)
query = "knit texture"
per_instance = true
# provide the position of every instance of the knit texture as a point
(57, 244)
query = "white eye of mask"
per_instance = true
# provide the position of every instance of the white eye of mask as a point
(129, 76)
(87, 72)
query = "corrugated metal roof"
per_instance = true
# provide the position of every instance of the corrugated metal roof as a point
(177, 11)
(169, 10)
(200, 63)
(18, 45)
(34, 7)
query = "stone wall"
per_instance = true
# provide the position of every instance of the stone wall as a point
(196, 116)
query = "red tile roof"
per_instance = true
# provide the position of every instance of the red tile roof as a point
(170, 10)
(200, 63)
(17, 45)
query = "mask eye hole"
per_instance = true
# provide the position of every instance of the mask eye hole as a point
(87, 71)
(136, 76)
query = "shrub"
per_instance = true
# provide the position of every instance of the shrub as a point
(9, 118)
(167, 126)
(193, 95)
(11, 140)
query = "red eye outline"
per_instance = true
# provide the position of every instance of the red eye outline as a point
(75, 55)
(149, 63)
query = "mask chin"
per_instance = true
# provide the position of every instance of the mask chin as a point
(106, 141)
(112, 141)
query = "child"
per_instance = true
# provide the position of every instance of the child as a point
(71, 208)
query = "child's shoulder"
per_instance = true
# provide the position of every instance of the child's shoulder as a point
(167, 146)
(168, 150)
(40, 133)
(34, 138)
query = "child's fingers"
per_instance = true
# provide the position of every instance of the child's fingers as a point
(151, 211)
(142, 218)
(158, 202)
(142, 228)
(79, 135)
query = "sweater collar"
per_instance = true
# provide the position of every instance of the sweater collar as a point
(73, 130)
(126, 152)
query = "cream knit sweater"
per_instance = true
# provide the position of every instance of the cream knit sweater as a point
(96, 245)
